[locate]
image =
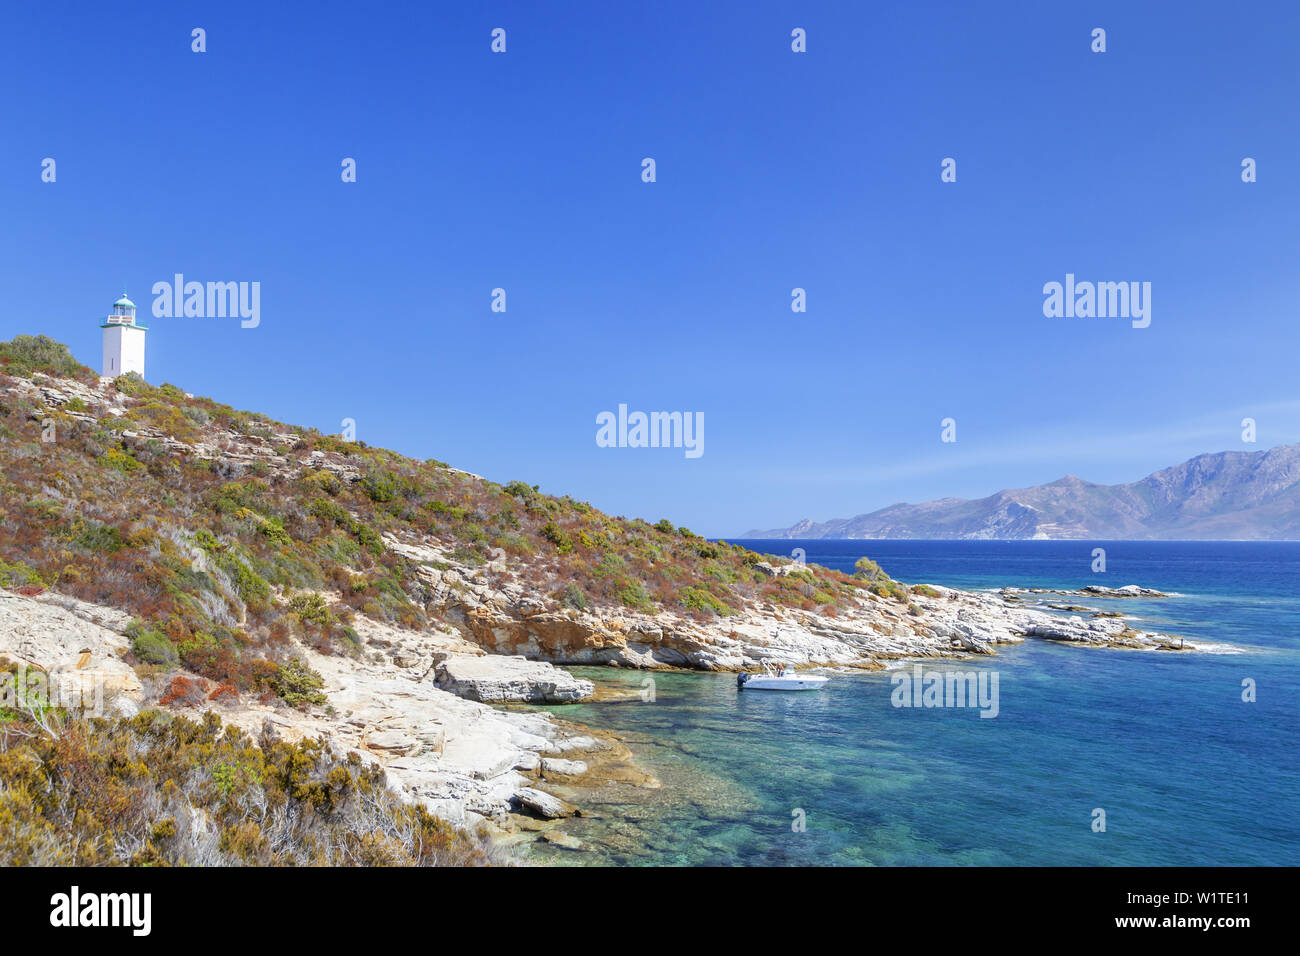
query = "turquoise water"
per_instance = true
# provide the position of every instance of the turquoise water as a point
(1186, 772)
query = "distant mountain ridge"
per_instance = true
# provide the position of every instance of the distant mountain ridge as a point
(1229, 495)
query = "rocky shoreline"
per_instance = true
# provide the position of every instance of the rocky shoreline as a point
(427, 705)
(467, 761)
(497, 613)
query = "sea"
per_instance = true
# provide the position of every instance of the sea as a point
(1096, 756)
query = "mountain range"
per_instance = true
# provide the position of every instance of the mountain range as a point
(1229, 495)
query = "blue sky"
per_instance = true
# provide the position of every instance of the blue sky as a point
(775, 170)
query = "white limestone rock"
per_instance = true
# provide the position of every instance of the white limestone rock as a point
(559, 767)
(497, 678)
(70, 641)
(543, 804)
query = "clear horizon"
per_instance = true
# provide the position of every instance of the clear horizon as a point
(775, 170)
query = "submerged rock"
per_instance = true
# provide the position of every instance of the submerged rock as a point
(563, 840)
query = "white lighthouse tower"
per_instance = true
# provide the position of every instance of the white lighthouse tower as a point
(123, 340)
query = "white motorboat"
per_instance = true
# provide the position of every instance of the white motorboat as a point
(783, 678)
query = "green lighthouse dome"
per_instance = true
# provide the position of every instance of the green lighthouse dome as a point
(124, 301)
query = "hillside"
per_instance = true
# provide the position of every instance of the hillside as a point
(218, 530)
(274, 616)
(1231, 495)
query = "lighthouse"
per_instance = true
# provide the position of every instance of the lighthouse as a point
(123, 340)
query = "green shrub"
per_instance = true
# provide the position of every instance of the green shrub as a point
(297, 683)
(236, 496)
(869, 570)
(310, 609)
(94, 536)
(379, 486)
(273, 528)
(151, 646)
(699, 599)
(252, 587)
(515, 545)
(611, 565)
(201, 651)
(889, 589)
(18, 575)
(45, 508)
(575, 598)
(26, 354)
(119, 461)
(330, 511)
(521, 490)
(553, 533)
(634, 595)
(133, 384)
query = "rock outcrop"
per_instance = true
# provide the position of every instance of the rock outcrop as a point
(78, 646)
(1127, 591)
(1093, 590)
(544, 804)
(494, 678)
(498, 614)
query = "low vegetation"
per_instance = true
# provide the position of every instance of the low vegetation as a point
(163, 790)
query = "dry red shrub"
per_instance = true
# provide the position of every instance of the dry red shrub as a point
(186, 691)
(224, 691)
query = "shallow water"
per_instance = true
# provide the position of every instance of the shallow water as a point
(1186, 772)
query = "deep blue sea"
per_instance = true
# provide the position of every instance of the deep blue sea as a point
(1186, 772)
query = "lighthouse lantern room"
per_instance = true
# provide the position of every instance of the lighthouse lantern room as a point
(123, 340)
